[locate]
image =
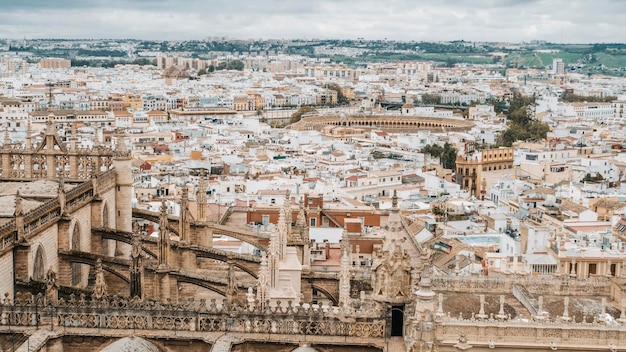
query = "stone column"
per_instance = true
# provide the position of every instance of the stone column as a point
(501, 314)
(481, 314)
(123, 194)
(566, 316)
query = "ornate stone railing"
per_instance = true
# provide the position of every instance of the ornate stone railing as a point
(534, 284)
(8, 235)
(557, 333)
(116, 313)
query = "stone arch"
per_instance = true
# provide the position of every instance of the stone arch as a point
(326, 293)
(75, 245)
(131, 344)
(39, 264)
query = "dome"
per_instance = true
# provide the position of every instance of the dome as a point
(131, 344)
(305, 348)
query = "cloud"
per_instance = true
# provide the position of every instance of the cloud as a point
(478, 20)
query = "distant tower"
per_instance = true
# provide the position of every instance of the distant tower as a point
(558, 68)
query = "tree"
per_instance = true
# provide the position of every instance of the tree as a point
(230, 65)
(211, 68)
(521, 125)
(341, 98)
(446, 154)
(431, 99)
(434, 150)
(377, 154)
(448, 157)
(571, 98)
(296, 116)
(596, 178)
(235, 65)
(202, 72)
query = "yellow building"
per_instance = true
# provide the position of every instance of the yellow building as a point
(470, 168)
(132, 101)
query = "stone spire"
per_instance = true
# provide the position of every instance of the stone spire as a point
(395, 224)
(183, 220)
(74, 138)
(425, 295)
(201, 196)
(344, 274)
(284, 225)
(278, 242)
(301, 219)
(100, 288)
(7, 139)
(264, 281)
(51, 128)
(231, 288)
(18, 216)
(120, 146)
(297, 236)
(273, 257)
(163, 240)
(136, 266)
(96, 138)
(61, 193)
(422, 327)
(29, 133)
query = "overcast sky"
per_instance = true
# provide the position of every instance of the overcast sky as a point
(568, 21)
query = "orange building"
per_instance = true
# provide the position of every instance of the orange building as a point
(318, 215)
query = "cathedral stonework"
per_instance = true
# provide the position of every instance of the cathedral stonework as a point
(78, 269)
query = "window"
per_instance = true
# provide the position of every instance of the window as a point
(312, 222)
(266, 220)
(592, 269)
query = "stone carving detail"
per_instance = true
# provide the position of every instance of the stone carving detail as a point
(392, 267)
(100, 288)
(53, 159)
(120, 313)
(52, 287)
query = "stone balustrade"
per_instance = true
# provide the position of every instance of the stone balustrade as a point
(535, 284)
(532, 332)
(119, 313)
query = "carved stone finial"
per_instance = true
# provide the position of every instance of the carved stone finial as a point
(52, 288)
(100, 288)
(19, 208)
